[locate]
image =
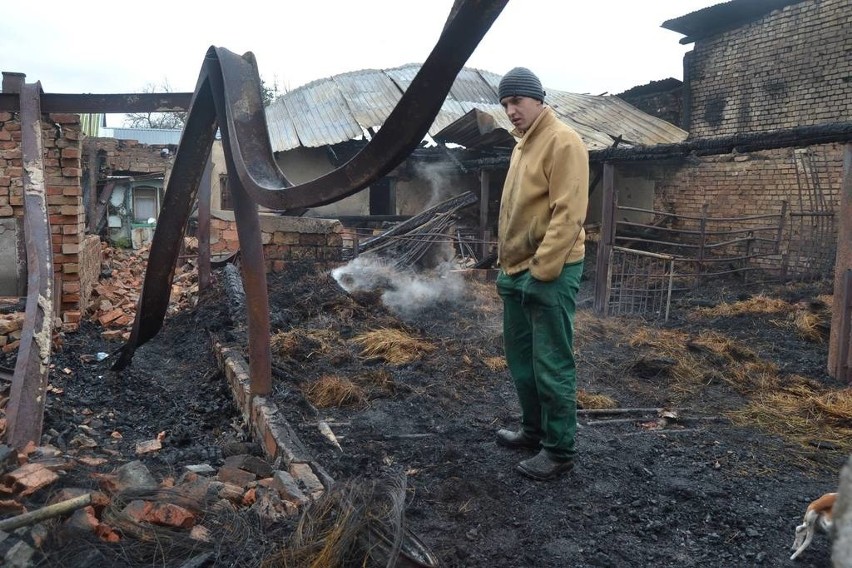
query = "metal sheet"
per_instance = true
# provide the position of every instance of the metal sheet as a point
(320, 114)
(370, 95)
(325, 112)
(282, 130)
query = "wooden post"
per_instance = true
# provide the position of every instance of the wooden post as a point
(780, 235)
(607, 240)
(845, 334)
(90, 191)
(484, 181)
(840, 324)
(702, 228)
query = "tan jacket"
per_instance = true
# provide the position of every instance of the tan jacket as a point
(544, 201)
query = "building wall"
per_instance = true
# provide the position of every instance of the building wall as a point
(663, 99)
(790, 68)
(121, 157)
(128, 158)
(62, 172)
(733, 187)
(284, 239)
(305, 164)
(429, 184)
(299, 166)
(736, 185)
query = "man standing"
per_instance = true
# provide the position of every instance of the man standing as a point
(541, 246)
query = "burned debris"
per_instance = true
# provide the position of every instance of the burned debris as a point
(301, 405)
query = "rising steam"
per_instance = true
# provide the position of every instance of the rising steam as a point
(404, 292)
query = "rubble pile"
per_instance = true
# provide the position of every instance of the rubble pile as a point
(115, 296)
(41, 510)
(11, 323)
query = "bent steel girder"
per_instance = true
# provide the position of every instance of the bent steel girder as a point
(228, 95)
(401, 133)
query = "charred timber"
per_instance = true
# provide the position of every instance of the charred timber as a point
(748, 142)
(463, 200)
(233, 286)
(25, 408)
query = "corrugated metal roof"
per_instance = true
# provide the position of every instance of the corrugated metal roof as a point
(370, 95)
(340, 108)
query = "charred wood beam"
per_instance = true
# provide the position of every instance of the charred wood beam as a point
(96, 221)
(463, 200)
(236, 295)
(110, 103)
(25, 410)
(747, 142)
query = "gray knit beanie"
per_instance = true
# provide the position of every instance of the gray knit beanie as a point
(520, 82)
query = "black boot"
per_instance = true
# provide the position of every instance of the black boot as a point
(544, 467)
(517, 440)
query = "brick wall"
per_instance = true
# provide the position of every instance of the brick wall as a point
(742, 185)
(61, 140)
(285, 239)
(90, 270)
(130, 156)
(790, 68)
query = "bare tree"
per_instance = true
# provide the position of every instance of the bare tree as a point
(270, 92)
(177, 120)
(170, 120)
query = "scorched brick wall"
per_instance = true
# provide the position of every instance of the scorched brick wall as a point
(790, 68)
(61, 140)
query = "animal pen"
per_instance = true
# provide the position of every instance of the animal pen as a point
(646, 256)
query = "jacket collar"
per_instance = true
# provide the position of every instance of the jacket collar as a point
(546, 115)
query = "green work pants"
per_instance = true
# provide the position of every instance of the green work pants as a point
(538, 337)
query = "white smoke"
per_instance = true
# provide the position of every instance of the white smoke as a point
(440, 184)
(404, 292)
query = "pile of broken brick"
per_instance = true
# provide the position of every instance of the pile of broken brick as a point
(11, 323)
(114, 297)
(130, 496)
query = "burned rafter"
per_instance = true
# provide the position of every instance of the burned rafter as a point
(412, 224)
(746, 142)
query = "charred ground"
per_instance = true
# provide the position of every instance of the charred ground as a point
(721, 480)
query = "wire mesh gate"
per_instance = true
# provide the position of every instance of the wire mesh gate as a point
(812, 228)
(799, 242)
(640, 283)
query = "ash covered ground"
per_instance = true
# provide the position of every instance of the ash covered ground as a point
(411, 382)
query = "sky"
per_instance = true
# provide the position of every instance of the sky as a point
(129, 46)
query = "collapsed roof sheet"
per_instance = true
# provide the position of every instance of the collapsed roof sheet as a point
(341, 108)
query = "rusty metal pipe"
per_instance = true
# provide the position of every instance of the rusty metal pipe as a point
(401, 133)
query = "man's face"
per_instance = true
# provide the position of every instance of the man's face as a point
(522, 111)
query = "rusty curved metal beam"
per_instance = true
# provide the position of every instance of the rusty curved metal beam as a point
(401, 133)
(228, 95)
(25, 410)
